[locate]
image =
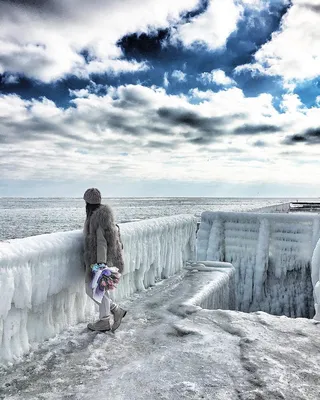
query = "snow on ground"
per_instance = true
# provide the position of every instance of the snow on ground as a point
(165, 351)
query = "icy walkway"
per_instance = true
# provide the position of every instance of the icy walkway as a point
(161, 353)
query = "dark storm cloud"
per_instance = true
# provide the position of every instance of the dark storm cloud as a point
(155, 144)
(201, 140)
(313, 133)
(260, 143)
(162, 130)
(131, 99)
(256, 129)
(191, 119)
(201, 130)
(119, 123)
(310, 136)
(293, 139)
(139, 127)
(312, 7)
(45, 8)
(42, 5)
(34, 129)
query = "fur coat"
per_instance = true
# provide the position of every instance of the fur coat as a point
(102, 243)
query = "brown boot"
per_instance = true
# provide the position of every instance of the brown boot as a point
(102, 325)
(118, 314)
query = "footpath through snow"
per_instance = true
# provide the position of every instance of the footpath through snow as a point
(162, 352)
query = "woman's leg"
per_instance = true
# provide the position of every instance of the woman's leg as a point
(113, 305)
(104, 307)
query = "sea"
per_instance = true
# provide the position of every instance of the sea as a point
(22, 217)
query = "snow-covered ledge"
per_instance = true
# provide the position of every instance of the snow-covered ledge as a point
(41, 277)
(215, 292)
(271, 254)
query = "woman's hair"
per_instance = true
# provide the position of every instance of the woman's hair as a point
(90, 208)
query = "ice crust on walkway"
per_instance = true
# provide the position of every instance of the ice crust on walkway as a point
(41, 277)
(161, 352)
(271, 254)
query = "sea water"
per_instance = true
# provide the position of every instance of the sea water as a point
(22, 217)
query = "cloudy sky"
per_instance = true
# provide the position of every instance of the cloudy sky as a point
(149, 97)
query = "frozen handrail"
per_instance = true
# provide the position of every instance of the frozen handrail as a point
(42, 277)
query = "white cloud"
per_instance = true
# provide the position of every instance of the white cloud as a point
(213, 27)
(161, 133)
(165, 80)
(216, 76)
(293, 52)
(291, 103)
(91, 88)
(179, 75)
(79, 93)
(45, 42)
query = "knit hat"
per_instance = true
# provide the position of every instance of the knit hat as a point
(92, 196)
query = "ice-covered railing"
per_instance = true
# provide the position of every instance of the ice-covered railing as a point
(271, 254)
(41, 277)
(276, 208)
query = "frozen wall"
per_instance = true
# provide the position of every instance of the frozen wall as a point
(316, 280)
(41, 277)
(271, 254)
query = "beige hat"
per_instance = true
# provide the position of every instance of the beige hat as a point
(92, 196)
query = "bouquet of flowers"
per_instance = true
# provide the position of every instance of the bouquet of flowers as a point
(103, 278)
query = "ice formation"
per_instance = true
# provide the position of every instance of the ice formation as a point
(316, 280)
(271, 254)
(219, 291)
(41, 277)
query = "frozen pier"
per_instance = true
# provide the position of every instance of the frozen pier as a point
(305, 206)
(188, 333)
(292, 207)
(167, 351)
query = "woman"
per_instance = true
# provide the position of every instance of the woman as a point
(102, 244)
